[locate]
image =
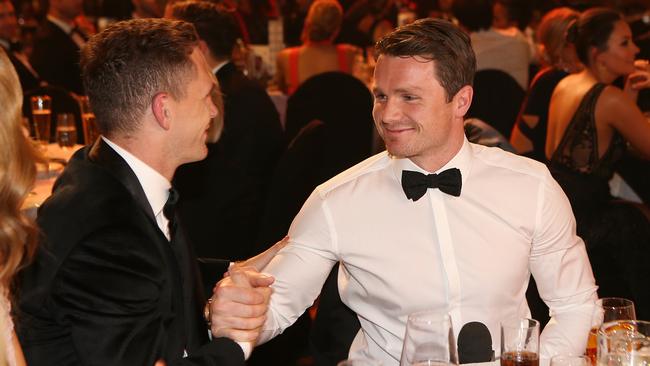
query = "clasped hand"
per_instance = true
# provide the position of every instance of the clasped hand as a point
(240, 300)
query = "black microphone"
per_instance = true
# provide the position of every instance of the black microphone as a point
(475, 343)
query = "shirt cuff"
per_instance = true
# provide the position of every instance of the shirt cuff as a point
(247, 347)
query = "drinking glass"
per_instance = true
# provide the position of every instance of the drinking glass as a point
(42, 117)
(66, 132)
(606, 310)
(429, 340)
(562, 360)
(624, 343)
(358, 362)
(88, 121)
(520, 342)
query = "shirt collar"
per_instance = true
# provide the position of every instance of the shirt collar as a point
(66, 27)
(219, 66)
(462, 160)
(155, 186)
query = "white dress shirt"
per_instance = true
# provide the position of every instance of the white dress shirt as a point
(155, 186)
(470, 255)
(503, 49)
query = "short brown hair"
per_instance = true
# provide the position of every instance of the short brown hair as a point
(436, 40)
(128, 63)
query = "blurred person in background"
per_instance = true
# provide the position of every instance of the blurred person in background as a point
(318, 53)
(10, 41)
(57, 46)
(559, 59)
(501, 49)
(18, 234)
(590, 125)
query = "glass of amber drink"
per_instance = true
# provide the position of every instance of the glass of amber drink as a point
(520, 342)
(606, 310)
(624, 343)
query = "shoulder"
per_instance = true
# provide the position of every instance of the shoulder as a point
(495, 161)
(359, 171)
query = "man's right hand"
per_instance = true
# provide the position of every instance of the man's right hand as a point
(239, 304)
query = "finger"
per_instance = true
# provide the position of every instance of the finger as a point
(238, 294)
(261, 280)
(240, 323)
(229, 308)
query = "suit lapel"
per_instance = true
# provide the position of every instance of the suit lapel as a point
(103, 155)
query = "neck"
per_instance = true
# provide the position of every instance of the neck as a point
(434, 160)
(141, 149)
(601, 74)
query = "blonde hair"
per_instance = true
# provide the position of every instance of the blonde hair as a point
(552, 31)
(323, 21)
(17, 173)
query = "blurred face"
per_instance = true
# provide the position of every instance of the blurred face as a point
(618, 58)
(8, 23)
(500, 16)
(192, 113)
(66, 9)
(410, 110)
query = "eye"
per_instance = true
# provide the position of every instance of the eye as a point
(380, 98)
(410, 97)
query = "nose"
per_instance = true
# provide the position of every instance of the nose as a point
(390, 111)
(213, 109)
(636, 48)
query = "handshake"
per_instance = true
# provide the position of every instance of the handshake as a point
(239, 302)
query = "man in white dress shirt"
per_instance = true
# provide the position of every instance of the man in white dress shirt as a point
(464, 239)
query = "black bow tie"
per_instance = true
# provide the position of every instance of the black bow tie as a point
(169, 208)
(415, 184)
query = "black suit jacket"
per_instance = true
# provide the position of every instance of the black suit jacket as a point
(224, 195)
(56, 58)
(28, 80)
(107, 287)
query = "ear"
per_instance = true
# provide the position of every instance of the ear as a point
(160, 107)
(203, 47)
(462, 100)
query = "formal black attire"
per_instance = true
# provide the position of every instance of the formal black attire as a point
(223, 195)
(28, 78)
(56, 57)
(107, 287)
(536, 104)
(617, 234)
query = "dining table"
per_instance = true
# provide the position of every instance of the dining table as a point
(56, 158)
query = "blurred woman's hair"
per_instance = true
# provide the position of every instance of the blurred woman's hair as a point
(552, 33)
(17, 173)
(323, 21)
(592, 29)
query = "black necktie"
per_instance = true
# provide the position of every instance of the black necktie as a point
(169, 209)
(415, 184)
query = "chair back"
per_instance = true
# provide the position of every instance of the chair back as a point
(497, 100)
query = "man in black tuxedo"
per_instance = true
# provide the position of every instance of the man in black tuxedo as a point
(56, 46)
(246, 153)
(9, 41)
(115, 281)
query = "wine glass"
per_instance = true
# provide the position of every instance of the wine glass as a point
(88, 121)
(607, 309)
(520, 342)
(429, 340)
(42, 116)
(624, 343)
(66, 132)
